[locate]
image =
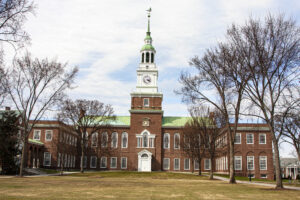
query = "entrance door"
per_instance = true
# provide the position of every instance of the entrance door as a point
(144, 162)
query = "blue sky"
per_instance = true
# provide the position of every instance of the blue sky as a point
(103, 39)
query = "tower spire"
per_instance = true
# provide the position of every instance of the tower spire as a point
(149, 15)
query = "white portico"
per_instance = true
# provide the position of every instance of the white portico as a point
(144, 161)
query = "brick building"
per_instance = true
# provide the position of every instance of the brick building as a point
(147, 140)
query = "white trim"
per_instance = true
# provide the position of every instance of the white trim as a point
(101, 159)
(196, 161)
(48, 165)
(178, 164)
(241, 160)
(111, 159)
(48, 132)
(117, 135)
(164, 144)
(39, 133)
(146, 105)
(185, 166)
(240, 136)
(252, 158)
(247, 138)
(209, 164)
(92, 140)
(122, 144)
(263, 158)
(265, 138)
(175, 140)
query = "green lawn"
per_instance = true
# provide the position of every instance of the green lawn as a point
(134, 185)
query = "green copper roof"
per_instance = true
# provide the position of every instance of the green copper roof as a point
(148, 37)
(175, 121)
(147, 47)
(35, 142)
(121, 121)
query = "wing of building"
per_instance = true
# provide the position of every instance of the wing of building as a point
(146, 140)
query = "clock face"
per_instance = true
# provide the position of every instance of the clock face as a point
(147, 79)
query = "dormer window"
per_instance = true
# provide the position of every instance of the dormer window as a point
(146, 102)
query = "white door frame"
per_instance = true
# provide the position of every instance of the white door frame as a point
(148, 159)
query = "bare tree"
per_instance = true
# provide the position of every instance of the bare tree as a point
(271, 49)
(35, 86)
(219, 71)
(12, 17)
(87, 118)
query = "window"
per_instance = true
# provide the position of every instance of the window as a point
(146, 102)
(147, 57)
(176, 141)
(250, 162)
(103, 162)
(48, 135)
(196, 164)
(263, 162)
(151, 142)
(124, 140)
(250, 138)
(37, 134)
(93, 162)
(263, 176)
(113, 162)
(104, 139)
(84, 161)
(238, 162)
(166, 163)
(47, 159)
(166, 141)
(94, 139)
(262, 138)
(123, 163)
(237, 138)
(176, 163)
(186, 141)
(186, 164)
(142, 57)
(114, 140)
(207, 164)
(145, 140)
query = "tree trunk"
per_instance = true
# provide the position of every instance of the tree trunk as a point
(231, 162)
(199, 160)
(193, 165)
(277, 164)
(61, 165)
(82, 156)
(22, 157)
(211, 172)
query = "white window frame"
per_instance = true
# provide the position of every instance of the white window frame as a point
(252, 138)
(122, 167)
(185, 165)
(111, 159)
(196, 162)
(252, 158)
(49, 154)
(94, 142)
(266, 160)
(91, 162)
(178, 164)
(166, 146)
(265, 136)
(176, 134)
(166, 161)
(240, 136)
(104, 135)
(101, 161)
(124, 134)
(112, 141)
(209, 164)
(39, 133)
(236, 158)
(48, 132)
(58, 159)
(146, 104)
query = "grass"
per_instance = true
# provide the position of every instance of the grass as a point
(134, 185)
(243, 178)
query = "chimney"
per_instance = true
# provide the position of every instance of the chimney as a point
(7, 108)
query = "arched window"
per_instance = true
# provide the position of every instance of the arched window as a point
(124, 140)
(145, 140)
(104, 139)
(152, 57)
(143, 58)
(144, 156)
(94, 139)
(166, 141)
(176, 141)
(147, 57)
(114, 140)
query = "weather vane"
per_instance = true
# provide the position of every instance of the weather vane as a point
(149, 11)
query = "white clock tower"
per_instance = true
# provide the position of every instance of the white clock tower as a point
(147, 72)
